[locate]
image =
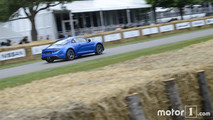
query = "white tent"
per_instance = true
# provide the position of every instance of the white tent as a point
(6, 33)
(104, 5)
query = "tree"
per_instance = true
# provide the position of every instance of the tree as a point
(154, 4)
(9, 10)
(206, 0)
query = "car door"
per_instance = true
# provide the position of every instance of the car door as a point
(76, 45)
(84, 45)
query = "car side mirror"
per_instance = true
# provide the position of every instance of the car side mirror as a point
(89, 40)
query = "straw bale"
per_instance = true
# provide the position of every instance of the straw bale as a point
(100, 94)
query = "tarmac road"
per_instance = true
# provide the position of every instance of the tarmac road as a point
(14, 71)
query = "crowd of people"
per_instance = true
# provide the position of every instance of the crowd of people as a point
(25, 40)
(8, 42)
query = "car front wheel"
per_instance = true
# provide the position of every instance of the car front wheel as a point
(70, 54)
(99, 49)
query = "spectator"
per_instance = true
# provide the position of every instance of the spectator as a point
(2, 44)
(24, 40)
(48, 37)
(8, 43)
(118, 27)
(61, 35)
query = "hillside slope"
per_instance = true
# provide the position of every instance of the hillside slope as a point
(100, 94)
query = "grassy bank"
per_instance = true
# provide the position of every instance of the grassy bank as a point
(95, 64)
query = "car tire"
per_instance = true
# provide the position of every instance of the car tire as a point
(99, 49)
(49, 60)
(70, 55)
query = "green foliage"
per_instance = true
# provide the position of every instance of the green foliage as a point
(205, 0)
(174, 3)
(160, 3)
(7, 10)
(182, 3)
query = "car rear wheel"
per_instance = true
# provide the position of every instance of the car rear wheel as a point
(99, 49)
(70, 54)
(49, 60)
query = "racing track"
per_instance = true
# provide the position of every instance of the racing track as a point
(9, 72)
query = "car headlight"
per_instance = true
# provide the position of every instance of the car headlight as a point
(56, 49)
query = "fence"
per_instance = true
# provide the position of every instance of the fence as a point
(33, 50)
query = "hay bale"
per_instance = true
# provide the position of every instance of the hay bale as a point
(100, 95)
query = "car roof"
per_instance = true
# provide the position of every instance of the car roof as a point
(70, 38)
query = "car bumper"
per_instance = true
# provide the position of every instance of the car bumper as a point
(52, 57)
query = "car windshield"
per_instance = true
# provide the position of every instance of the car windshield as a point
(61, 42)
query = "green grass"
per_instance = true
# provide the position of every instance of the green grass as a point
(110, 46)
(97, 63)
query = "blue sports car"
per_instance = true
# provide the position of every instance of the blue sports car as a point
(69, 48)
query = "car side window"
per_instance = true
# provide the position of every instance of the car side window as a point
(80, 39)
(73, 41)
